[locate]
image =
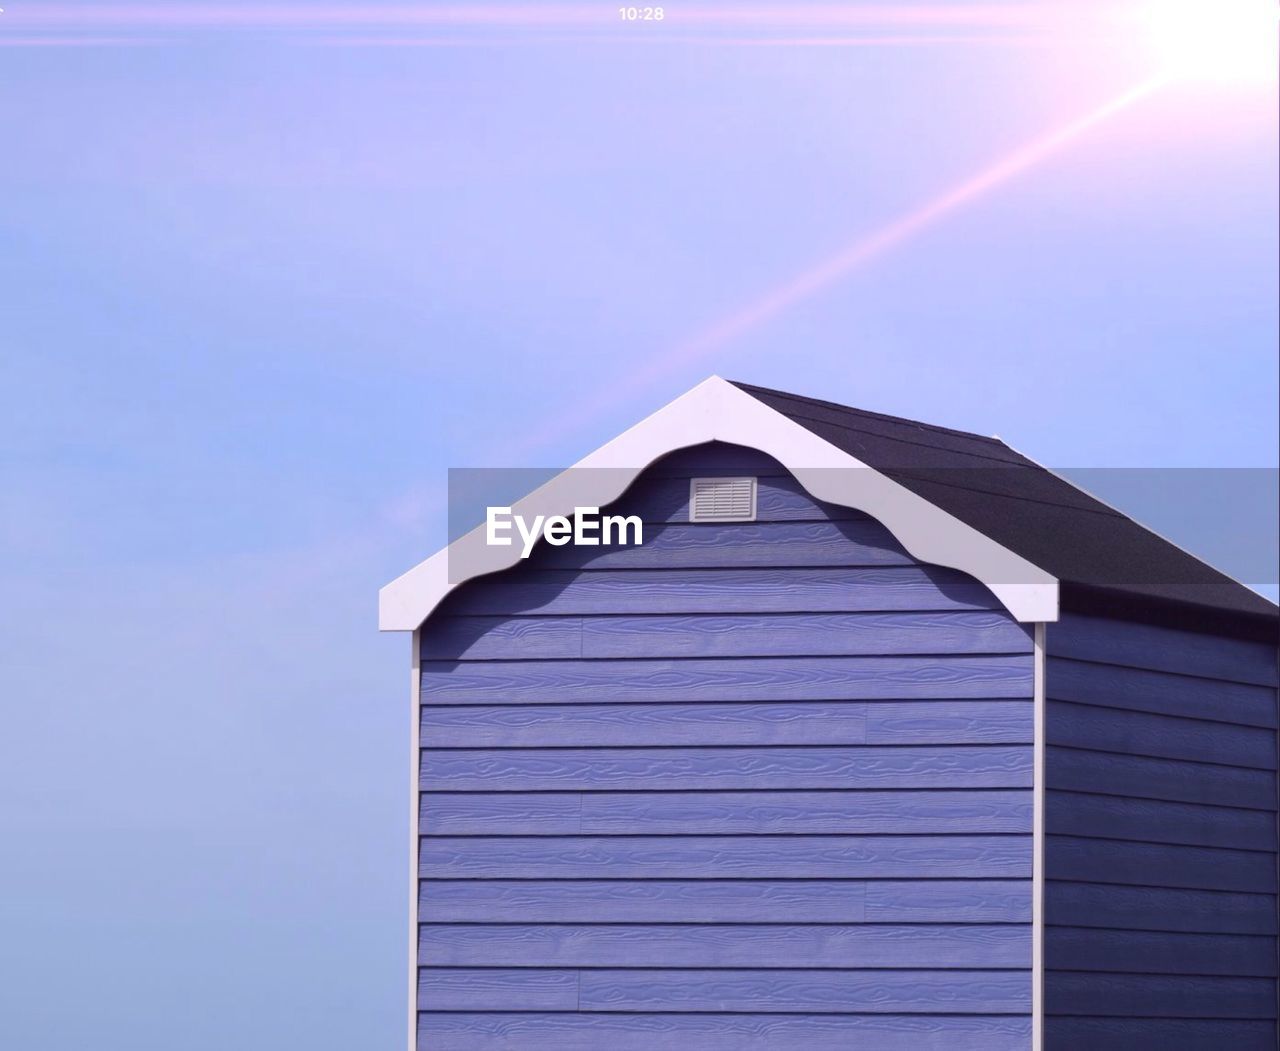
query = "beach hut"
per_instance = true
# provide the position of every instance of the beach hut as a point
(857, 733)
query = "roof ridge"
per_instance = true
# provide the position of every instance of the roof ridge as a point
(750, 387)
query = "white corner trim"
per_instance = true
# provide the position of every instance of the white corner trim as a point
(1037, 846)
(716, 410)
(415, 760)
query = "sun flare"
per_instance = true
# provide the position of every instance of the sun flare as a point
(1225, 40)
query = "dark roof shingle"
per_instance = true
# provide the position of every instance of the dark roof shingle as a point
(1106, 563)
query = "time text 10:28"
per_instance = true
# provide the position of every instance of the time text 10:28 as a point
(641, 14)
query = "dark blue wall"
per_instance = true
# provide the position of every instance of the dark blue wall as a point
(1160, 895)
(758, 785)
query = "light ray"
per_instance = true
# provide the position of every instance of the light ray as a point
(859, 252)
(171, 15)
(899, 40)
(895, 40)
(849, 24)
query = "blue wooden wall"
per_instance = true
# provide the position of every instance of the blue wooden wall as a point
(1161, 850)
(754, 785)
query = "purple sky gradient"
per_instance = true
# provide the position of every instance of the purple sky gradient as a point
(263, 280)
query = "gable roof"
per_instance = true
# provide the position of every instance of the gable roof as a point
(1105, 562)
(949, 497)
(716, 410)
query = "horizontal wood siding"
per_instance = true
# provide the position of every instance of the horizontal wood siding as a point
(843, 946)
(786, 901)
(725, 989)
(1161, 846)
(737, 635)
(705, 812)
(745, 1031)
(755, 857)
(751, 785)
(831, 589)
(796, 722)
(953, 677)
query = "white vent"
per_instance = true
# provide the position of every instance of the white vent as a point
(722, 500)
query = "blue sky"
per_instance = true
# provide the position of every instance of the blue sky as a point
(259, 290)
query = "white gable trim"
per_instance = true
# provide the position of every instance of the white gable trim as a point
(716, 410)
